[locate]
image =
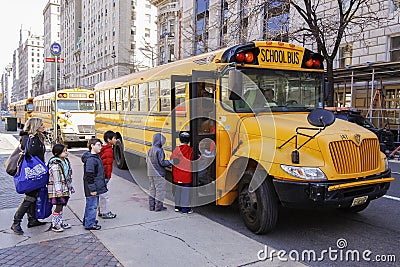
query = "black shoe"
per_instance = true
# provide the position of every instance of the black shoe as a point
(94, 227)
(16, 227)
(83, 222)
(35, 223)
(161, 209)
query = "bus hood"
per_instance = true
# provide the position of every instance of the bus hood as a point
(76, 122)
(342, 145)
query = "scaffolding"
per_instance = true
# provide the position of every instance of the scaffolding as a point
(374, 89)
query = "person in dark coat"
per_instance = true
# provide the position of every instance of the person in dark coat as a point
(93, 182)
(33, 131)
(156, 164)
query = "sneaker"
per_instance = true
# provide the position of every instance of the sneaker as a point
(16, 227)
(109, 215)
(65, 225)
(177, 210)
(94, 227)
(188, 212)
(57, 228)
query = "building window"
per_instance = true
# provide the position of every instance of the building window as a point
(395, 48)
(148, 18)
(345, 55)
(146, 32)
(202, 6)
(276, 20)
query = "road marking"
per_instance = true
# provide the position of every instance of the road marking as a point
(396, 172)
(393, 198)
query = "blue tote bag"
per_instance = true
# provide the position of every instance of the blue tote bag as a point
(32, 174)
(43, 206)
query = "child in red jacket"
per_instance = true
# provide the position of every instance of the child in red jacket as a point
(182, 173)
(107, 157)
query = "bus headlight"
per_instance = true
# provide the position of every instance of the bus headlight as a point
(307, 173)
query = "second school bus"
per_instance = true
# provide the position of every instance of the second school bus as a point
(256, 108)
(22, 110)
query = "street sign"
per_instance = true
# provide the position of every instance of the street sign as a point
(53, 59)
(55, 49)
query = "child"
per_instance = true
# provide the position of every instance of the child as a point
(156, 164)
(107, 157)
(94, 182)
(182, 174)
(60, 185)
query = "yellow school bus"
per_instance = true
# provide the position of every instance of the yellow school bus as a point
(256, 110)
(75, 114)
(22, 110)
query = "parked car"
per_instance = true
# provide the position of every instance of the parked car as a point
(4, 115)
(385, 136)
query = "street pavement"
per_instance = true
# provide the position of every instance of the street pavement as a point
(136, 237)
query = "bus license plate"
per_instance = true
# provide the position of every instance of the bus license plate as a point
(359, 201)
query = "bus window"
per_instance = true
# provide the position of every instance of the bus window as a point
(113, 105)
(125, 98)
(102, 106)
(165, 97)
(153, 96)
(75, 105)
(133, 93)
(118, 99)
(142, 97)
(107, 100)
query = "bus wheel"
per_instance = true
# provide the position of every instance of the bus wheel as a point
(355, 209)
(119, 155)
(258, 209)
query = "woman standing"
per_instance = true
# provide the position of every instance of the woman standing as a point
(33, 129)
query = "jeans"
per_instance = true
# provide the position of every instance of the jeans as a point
(90, 211)
(104, 200)
(182, 196)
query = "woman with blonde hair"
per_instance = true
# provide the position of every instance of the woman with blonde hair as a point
(33, 130)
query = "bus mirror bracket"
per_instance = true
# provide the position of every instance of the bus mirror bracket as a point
(235, 82)
(320, 118)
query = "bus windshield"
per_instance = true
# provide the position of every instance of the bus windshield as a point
(29, 107)
(276, 90)
(75, 105)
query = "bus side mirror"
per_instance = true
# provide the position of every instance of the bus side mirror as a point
(235, 82)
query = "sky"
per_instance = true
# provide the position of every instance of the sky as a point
(13, 14)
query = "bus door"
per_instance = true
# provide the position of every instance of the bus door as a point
(203, 134)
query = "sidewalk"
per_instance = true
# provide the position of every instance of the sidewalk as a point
(137, 237)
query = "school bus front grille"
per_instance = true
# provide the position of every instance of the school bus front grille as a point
(350, 158)
(86, 128)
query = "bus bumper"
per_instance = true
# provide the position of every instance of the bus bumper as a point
(77, 137)
(330, 194)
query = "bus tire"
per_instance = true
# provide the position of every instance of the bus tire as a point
(119, 155)
(259, 210)
(355, 209)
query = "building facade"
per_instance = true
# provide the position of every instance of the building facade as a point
(51, 15)
(104, 40)
(6, 84)
(30, 63)
(188, 28)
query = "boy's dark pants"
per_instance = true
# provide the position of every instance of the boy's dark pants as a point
(157, 192)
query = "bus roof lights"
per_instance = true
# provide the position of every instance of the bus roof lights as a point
(249, 57)
(240, 57)
(91, 95)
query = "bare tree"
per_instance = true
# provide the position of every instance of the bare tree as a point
(329, 22)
